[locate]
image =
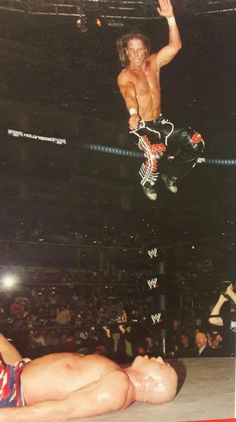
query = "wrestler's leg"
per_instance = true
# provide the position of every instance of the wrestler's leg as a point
(8, 352)
(185, 146)
(149, 141)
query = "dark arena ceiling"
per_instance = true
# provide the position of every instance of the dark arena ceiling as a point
(114, 9)
(58, 78)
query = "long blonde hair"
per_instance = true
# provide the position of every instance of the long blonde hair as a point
(122, 43)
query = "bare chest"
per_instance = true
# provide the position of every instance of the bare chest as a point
(146, 82)
(55, 381)
(55, 376)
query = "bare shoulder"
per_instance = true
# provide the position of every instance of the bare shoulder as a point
(117, 384)
(124, 77)
(113, 378)
(111, 392)
(153, 59)
(153, 56)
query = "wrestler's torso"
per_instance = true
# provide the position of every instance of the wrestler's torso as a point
(54, 376)
(146, 81)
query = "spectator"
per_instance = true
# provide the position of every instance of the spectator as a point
(63, 315)
(151, 346)
(37, 338)
(202, 348)
(185, 349)
(223, 315)
(15, 308)
(217, 344)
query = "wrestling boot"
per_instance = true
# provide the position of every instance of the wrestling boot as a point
(170, 183)
(150, 192)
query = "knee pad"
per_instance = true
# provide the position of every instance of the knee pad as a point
(197, 142)
(196, 138)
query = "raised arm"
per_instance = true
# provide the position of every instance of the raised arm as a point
(230, 293)
(215, 317)
(8, 352)
(167, 53)
(128, 92)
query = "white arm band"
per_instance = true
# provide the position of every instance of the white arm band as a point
(171, 21)
(133, 111)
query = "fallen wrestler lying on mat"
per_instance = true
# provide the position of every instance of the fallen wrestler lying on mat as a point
(64, 386)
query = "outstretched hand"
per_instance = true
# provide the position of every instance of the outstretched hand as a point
(229, 290)
(223, 298)
(165, 10)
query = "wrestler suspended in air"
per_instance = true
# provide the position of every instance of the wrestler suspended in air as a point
(170, 152)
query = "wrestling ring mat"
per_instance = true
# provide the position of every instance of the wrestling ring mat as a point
(206, 392)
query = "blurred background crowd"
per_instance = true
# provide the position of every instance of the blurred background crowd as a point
(101, 320)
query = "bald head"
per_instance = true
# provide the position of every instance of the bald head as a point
(158, 379)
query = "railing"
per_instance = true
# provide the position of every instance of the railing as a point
(114, 11)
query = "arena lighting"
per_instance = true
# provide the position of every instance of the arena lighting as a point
(9, 281)
(98, 22)
(82, 23)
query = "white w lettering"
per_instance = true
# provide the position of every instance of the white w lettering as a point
(152, 253)
(156, 318)
(153, 283)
